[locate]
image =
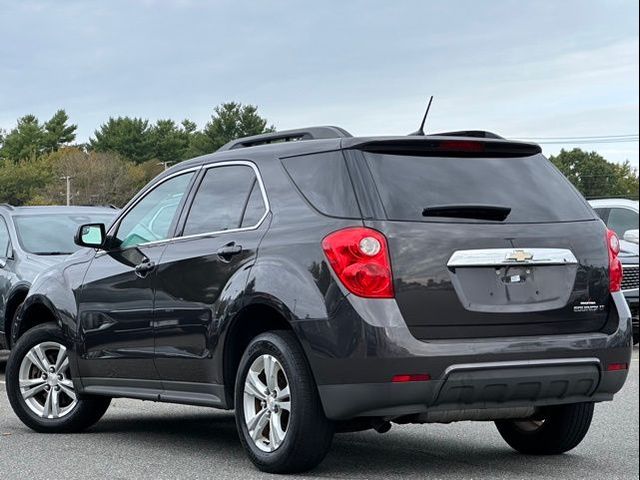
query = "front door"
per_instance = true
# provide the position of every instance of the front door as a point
(115, 304)
(203, 271)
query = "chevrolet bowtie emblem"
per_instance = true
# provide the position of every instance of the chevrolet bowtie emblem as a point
(520, 256)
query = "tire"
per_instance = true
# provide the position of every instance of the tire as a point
(69, 415)
(558, 430)
(307, 432)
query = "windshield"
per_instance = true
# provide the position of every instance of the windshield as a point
(52, 234)
(508, 190)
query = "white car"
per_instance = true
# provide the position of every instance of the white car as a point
(620, 215)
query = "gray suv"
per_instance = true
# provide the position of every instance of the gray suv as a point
(32, 239)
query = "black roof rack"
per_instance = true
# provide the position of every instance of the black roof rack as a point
(467, 133)
(311, 133)
(7, 206)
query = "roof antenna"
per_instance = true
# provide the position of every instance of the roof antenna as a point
(420, 131)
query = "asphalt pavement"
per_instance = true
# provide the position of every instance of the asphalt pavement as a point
(139, 439)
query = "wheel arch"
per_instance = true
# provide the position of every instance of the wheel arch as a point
(35, 310)
(252, 320)
(16, 296)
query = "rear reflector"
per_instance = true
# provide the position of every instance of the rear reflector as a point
(614, 367)
(416, 377)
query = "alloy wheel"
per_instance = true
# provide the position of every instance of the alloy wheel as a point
(45, 382)
(267, 403)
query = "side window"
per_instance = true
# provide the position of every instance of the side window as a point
(221, 200)
(151, 218)
(621, 220)
(255, 207)
(4, 239)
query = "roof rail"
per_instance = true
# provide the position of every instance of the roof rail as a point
(7, 206)
(311, 133)
(468, 133)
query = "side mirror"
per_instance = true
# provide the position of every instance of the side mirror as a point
(631, 236)
(91, 235)
(3, 263)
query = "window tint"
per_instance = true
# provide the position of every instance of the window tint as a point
(4, 239)
(603, 213)
(533, 189)
(621, 220)
(220, 200)
(255, 207)
(150, 220)
(324, 181)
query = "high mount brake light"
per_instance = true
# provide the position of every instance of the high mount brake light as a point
(360, 258)
(460, 146)
(615, 266)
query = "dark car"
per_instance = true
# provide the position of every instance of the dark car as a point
(32, 239)
(319, 283)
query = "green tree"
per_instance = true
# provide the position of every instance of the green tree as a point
(25, 141)
(230, 121)
(132, 138)
(170, 140)
(22, 180)
(594, 176)
(57, 132)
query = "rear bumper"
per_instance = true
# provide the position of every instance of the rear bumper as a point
(354, 372)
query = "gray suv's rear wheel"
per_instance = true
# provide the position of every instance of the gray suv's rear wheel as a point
(280, 420)
(557, 430)
(41, 389)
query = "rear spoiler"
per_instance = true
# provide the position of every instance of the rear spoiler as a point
(446, 146)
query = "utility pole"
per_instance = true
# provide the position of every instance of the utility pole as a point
(166, 164)
(68, 180)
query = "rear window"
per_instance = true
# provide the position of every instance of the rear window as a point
(531, 186)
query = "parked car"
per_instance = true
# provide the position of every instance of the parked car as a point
(316, 282)
(621, 216)
(32, 239)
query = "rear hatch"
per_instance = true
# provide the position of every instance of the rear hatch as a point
(486, 239)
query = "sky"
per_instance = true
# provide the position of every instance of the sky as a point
(538, 69)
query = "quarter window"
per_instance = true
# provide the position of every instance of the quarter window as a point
(228, 197)
(150, 220)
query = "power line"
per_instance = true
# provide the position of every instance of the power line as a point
(605, 137)
(583, 142)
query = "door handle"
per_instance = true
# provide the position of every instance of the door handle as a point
(228, 251)
(143, 269)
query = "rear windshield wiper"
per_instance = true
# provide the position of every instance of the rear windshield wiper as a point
(468, 210)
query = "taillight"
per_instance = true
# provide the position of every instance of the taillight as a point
(360, 258)
(615, 266)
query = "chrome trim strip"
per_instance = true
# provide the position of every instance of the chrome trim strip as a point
(246, 163)
(496, 257)
(523, 364)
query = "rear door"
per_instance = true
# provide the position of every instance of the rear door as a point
(203, 271)
(537, 266)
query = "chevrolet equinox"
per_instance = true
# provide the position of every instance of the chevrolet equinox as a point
(317, 283)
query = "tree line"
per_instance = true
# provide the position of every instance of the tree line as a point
(124, 153)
